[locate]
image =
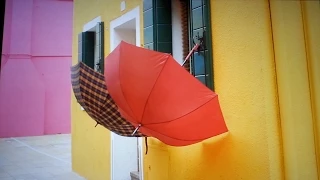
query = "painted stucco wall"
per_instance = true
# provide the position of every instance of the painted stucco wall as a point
(90, 144)
(266, 70)
(245, 80)
(35, 75)
(297, 52)
(311, 17)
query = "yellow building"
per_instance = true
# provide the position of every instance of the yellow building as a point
(262, 58)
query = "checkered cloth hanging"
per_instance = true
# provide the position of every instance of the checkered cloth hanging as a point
(91, 93)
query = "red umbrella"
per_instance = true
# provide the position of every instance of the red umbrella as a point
(160, 98)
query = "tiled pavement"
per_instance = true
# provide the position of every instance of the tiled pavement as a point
(36, 158)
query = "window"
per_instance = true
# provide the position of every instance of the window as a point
(199, 32)
(195, 27)
(157, 25)
(91, 49)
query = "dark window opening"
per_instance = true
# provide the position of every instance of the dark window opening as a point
(91, 48)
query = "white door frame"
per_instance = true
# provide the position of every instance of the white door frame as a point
(134, 14)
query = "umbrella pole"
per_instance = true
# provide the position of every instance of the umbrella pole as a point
(190, 53)
(137, 128)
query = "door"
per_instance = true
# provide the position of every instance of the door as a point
(125, 151)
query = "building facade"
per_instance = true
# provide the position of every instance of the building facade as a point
(261, 58)
(35, 68)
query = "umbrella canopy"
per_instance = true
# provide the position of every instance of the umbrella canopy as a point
(160, 97)
(91, 93)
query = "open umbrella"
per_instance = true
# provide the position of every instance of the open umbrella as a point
(91, 93)
(160, 98)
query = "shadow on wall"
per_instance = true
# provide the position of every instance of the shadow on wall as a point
(227, 151)
(204, 160)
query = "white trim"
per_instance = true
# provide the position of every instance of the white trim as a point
(134, 14)
(91, 24)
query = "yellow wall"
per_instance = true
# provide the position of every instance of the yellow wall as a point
(311, 17)
(266, 70)
(90, 145)
(245, 81)
(267, 74)
(297, 122)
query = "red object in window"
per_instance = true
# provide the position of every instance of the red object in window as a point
(159, 97)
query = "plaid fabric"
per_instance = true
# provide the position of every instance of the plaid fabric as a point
(91, 93)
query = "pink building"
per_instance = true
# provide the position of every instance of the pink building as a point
(35, 72)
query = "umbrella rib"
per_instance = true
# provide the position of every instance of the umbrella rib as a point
(145, 105)
(183, 115)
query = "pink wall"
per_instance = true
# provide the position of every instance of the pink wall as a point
(35, 76)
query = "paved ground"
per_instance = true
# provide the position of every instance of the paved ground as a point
(36, 158)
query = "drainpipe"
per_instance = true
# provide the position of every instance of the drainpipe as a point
(2, 5)
(138, 155)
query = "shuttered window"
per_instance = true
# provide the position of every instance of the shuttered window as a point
(91, 47)
(157, 25)
(200, 30)
(99, 56)
(196, 28)
(86, 48)
(184, 13)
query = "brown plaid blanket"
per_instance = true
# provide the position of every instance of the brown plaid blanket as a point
(91, 93)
